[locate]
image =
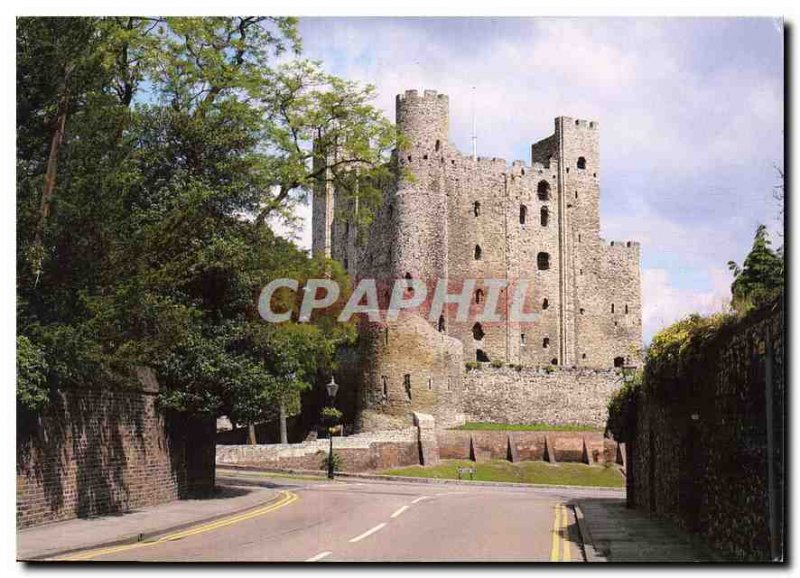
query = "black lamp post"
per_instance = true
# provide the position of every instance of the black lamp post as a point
(332, 388)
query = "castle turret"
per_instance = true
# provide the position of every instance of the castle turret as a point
(420, 229)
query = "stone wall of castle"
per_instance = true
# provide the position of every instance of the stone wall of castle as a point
(560, 396)
(406, 366)
(453, 217)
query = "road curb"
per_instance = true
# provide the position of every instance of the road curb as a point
(145, 536)
(411, 479)
(590, 551)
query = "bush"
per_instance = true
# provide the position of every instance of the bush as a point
(497, 364)
(622, 410)
(472, 365)
(337, 462)
(33, 392)
(330, 416)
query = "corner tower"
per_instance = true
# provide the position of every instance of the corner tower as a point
(420, 201)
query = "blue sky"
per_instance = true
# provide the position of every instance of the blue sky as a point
(690, 112)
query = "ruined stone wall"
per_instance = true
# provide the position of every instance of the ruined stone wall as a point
(406, 367)
(563, 396)
(701, 453)
(100, 451)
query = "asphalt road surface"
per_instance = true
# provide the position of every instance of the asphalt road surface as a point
(320, 521)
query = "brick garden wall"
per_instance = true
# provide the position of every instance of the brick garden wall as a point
(587, 447)
(700, 455)
(99, 451)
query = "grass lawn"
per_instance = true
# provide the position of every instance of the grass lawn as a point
(533, 472)
(490, 426)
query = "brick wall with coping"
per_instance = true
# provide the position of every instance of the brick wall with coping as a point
(96, 451)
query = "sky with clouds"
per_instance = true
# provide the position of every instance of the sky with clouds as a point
(690, 111)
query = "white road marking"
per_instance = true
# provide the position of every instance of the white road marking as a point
(319, 556)
(399, 511)
(419, 499)
(368, 532)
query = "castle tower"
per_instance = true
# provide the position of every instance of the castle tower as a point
(420, 203)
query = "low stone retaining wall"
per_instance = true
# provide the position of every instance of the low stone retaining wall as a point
(424, 445)
(358, 453)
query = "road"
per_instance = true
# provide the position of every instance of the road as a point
(321, 521)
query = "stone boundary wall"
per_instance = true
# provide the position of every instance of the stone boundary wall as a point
(561, 397)
(359, 453)
(701, 453)
(553, 446)
(424, 445)
(99, 451)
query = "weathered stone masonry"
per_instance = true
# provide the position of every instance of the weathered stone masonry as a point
(460, 218)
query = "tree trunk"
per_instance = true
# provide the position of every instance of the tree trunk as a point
(251, 434)
(56, 139)
(284, 434)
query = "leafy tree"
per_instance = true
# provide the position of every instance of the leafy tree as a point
(182, 144)
(32, 388)
(760, 278)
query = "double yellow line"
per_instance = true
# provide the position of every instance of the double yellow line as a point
(285, 498)
(560, 535)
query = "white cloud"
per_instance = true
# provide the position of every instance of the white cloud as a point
(664, 303)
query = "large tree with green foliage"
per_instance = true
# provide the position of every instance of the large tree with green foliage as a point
(154, 154)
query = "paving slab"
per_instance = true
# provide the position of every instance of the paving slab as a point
(61, 537)
(619, 534)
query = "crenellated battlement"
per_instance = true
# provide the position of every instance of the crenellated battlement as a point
(623, 244)
(569, 121)
(426, 95)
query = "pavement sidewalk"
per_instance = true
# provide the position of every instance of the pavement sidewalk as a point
(618, 534)
(58, 538)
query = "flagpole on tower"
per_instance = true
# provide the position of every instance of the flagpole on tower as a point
(474, 129)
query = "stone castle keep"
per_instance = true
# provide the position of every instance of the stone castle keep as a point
(451, 216)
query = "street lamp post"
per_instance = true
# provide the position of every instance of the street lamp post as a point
(332, 388)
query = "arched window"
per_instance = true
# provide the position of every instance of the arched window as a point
(441, 323)
(522, 338)
(438, 145)
(619, 361)
(612, 308)
(626, 310)
(476, 208)
(430, 380)
(478, 252)
(582, 163)
(545, 303)
(385, 381)
(543, 190)
(546, 342)
(477, 332)
(478, 295)
(543, 261)
(523, 212)
(544, 216)
(407, 385)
